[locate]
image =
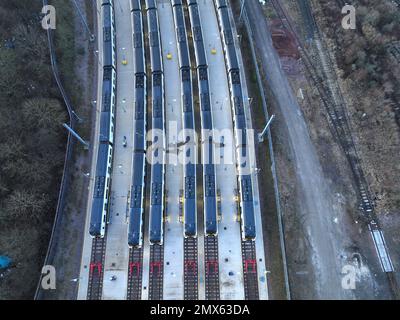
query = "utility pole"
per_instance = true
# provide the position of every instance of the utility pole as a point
(77, 136)
(92, 36)
(262, 134)
(76, 116)
(241, 9)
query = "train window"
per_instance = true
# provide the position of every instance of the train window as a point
(181, 35)
(205, 102)
(157, 79)
(107, 34)
(137, 40)
(156, 194)
(228, 37)
(139, 83)
(186, 103)
(107, 74)
(210, 185)
(235, 76)
(238, 105)
(189, 187)
(203, 74)
(156, 108)
(185, 74)
(197, 36)
(153, 37)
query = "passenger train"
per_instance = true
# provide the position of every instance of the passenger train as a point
(101, 195)
(137, 194)
(209, 180)
(158, 128)
(245, 185)
(189, 172)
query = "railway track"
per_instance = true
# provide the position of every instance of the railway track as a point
(191, 269)
(212, 268)
(318, 69)
(250, 278)
(134, 291)
(96, 269)
(156, 272)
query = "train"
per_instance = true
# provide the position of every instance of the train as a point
(137, 192)
(157, 187)
(247, 216)
(102, 180)
(189, 152)
(209, 179)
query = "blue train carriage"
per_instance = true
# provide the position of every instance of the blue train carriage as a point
(248, 222)
(109, 35)
(209, 180)
(181, 36)
(154, 41)
(135, 229)
(107, 116)
(135, 5)
(158, 161)
(197, 34)
(189, 202)
(136, 203)
(158, 166)
(191, 2)
(136, 207)
(138, 38)
(151, 4)
(220, 4)
(176, 3)
(210, 202)
(157, 204)
(101, 194)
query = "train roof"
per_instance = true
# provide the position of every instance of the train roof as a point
(107, 3)
(220, 3)
(102, 159)
(135, 5)
(150, 4)
(176, 2)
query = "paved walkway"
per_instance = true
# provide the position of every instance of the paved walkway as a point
(87, 244)
(173, 241)
(261, 269)
(230, 257)
(117, 251)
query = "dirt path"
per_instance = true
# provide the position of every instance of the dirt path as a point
(316, 208)
(69, 237)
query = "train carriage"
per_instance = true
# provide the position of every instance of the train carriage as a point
(136, 207)
(233, 73)
(137, 193)
(109, 37)
(209, 179)
(157, 186)
(189, 201)
(101, 194)
(102, 184)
